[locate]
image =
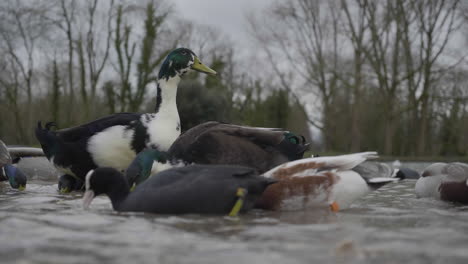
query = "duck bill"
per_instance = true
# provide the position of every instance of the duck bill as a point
(200, 67)
(88, 197)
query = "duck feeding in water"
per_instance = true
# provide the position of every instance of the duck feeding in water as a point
(113, 141)
(321, 182)
(8, 172)
(302, 184)
(194, 189)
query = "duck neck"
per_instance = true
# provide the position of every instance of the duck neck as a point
(167, 95)
(119, 192)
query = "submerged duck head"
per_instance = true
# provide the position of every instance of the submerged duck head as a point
(140, 168)
(181, 61)
(109, 181)
(15, 176)
(9, 172)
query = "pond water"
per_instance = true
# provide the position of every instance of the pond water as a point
(391, 225)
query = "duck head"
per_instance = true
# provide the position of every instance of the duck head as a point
(180, 61)
(140, 168)
(15, 176)
(293, 146)
(105, 180)
(68, 183)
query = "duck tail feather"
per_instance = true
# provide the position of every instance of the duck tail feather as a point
(348, 161)
(377, 182)
(47, 138)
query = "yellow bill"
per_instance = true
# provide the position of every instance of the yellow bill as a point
(200, 67)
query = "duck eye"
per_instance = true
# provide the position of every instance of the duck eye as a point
(184, 52)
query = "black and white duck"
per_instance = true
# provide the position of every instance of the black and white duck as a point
(8, 172)
(444, 181)
(113, 141)
(194, 189)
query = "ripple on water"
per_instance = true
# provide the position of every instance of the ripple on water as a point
(388, 226)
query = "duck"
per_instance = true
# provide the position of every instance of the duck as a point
(403, 172)
(192, 189)
(223, 143)
(302, 184)
(444, 181)
(9, 172)
(428, 183)
(114, 140)
(327, 181)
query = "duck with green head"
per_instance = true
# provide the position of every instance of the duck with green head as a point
(215, 143)
(113, 141)
(8, 171)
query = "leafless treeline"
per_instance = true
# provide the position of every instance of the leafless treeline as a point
(72, 61)
(386, 75)
(389, 75)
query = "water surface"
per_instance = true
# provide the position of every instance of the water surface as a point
(391, 225)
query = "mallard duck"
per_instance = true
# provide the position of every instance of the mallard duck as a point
(8, 171)
(448, 182)
(113, 141)
(302, 184)
(197, 189)
(221, 143)
(321, 181)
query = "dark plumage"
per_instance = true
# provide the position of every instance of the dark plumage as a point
(200, 189)
(68, 183)
(219, 143)
(113, 141)
(406, 173)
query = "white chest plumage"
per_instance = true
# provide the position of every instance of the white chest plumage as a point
(163, 129)
(112, 147)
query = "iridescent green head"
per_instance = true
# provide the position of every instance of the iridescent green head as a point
(292, 138)
(293, 146)
(140, 168)
(180, 61)
(16, 177)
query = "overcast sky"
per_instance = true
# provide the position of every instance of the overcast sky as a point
(227, 15)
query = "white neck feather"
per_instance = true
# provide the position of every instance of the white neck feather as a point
(168, 95)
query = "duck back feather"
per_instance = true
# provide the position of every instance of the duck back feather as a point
(218, 143)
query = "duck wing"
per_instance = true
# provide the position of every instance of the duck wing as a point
(369, 170)
(197, 189)
(87, 130)
(312, 182)
(219, 143)
(456, 171)
(316, 164)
